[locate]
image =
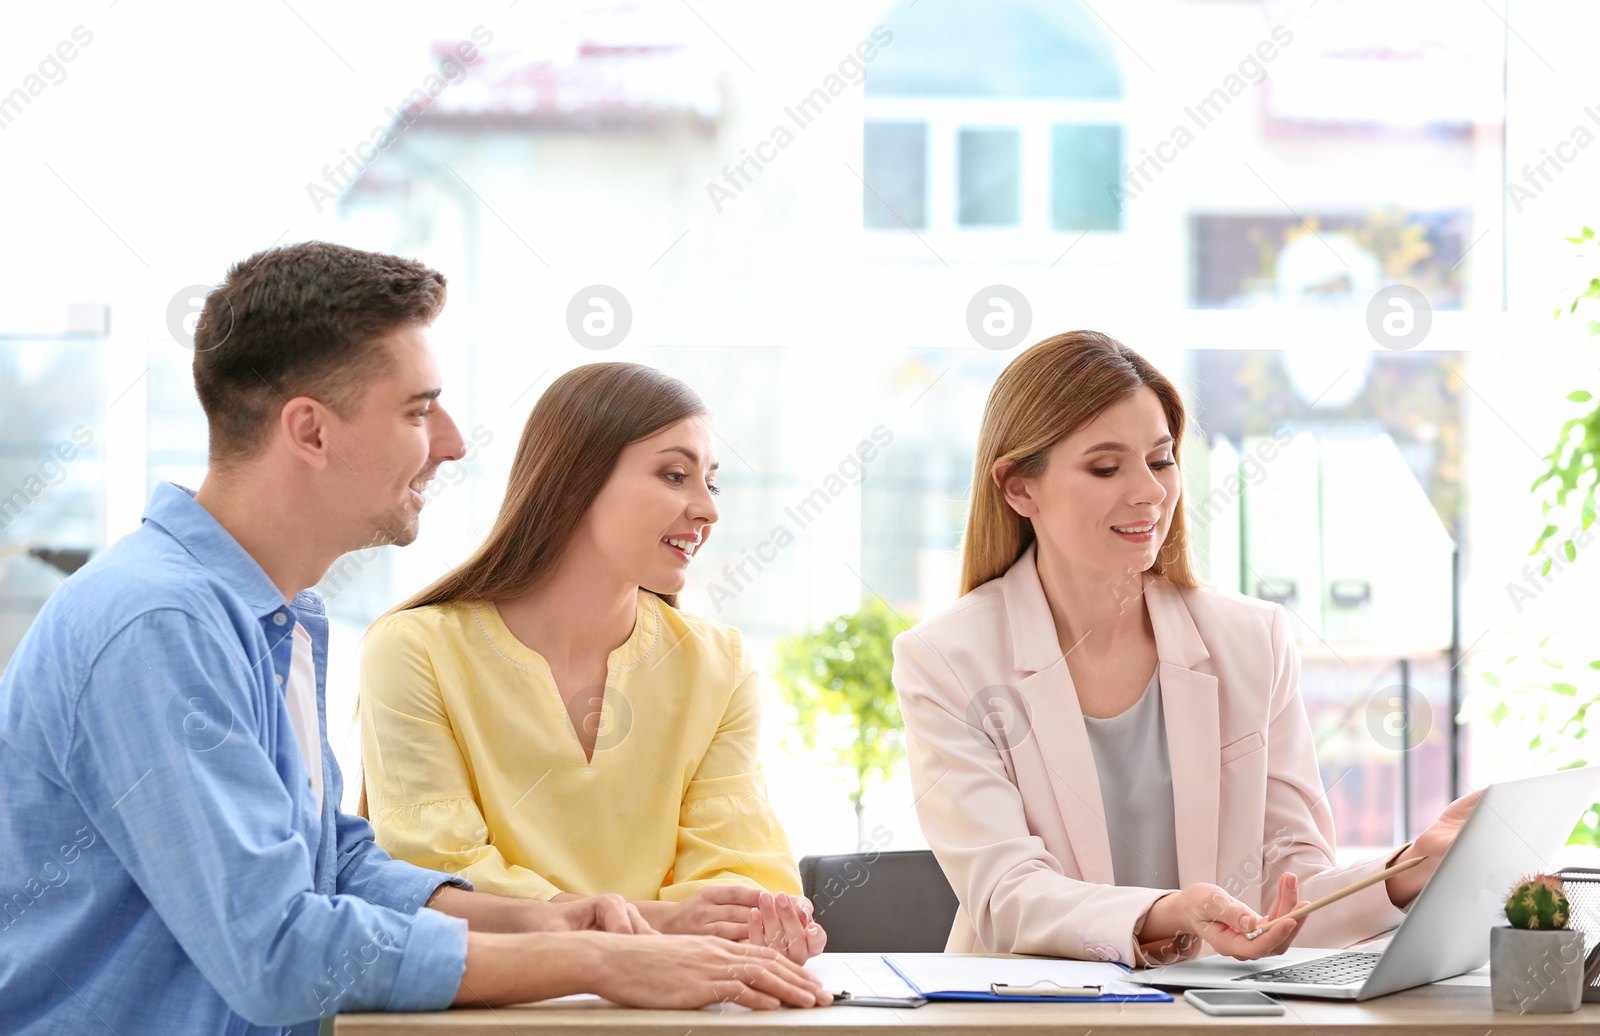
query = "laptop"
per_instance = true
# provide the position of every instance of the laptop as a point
(1514, 830)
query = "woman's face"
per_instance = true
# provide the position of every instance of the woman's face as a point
(655, 510)
(1108, 491)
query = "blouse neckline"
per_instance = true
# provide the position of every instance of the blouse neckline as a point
(646, 633)
(1131, 709)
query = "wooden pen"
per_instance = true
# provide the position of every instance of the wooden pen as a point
(1333, 897)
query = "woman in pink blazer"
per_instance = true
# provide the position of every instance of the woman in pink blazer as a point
(1111, 761)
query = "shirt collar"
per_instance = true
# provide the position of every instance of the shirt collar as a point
(175, 511)
(1035, 645)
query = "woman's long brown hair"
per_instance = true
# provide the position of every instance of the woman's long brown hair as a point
(1048, 392)
(569, 447)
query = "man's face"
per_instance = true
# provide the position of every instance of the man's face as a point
(393, 442)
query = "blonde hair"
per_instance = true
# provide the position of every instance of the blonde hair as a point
(1048, 392)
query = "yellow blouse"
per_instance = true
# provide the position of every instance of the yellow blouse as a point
(472, 765)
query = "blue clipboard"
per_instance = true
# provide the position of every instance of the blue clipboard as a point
(1019, 994)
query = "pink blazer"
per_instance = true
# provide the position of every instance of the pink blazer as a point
(1009, 798)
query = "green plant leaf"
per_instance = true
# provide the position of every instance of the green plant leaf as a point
(1551, 717)
(837, 679)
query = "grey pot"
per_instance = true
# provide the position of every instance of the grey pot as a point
(1536, 972)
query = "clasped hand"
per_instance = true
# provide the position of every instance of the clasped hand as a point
(744, 914)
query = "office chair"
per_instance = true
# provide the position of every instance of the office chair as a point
(880, 902)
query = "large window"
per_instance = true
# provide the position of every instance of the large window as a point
(1318, 219)
(1026, 141)
(52, 487)
(1084, 161)
(896, 158)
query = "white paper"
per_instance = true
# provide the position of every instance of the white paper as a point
(941, 972)
(1471, 978)
(862, 974)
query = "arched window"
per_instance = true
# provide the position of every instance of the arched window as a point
(993, 115)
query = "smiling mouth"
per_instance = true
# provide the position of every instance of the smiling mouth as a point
(1134, 530)
(682, 544)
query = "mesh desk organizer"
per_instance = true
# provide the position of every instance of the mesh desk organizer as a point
(1582, 885)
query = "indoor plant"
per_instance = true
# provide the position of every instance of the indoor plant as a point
(1539, 697)
(837, 679)
(1536, 964)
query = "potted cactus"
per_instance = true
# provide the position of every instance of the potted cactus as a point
(1536, 964)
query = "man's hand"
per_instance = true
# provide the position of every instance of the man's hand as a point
(485, 912)
(785, 924)
(720, 910)
(606, 913)
(695, 971)
(678, 971)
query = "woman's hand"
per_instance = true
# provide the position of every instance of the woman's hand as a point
(1206, 912)
(1432, 843)
(784, 923)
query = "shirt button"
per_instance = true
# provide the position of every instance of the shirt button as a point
(1101, 951)
(278, 677)
(278, 618)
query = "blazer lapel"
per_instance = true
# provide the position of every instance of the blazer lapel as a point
(1194, 741)
(1055, 721)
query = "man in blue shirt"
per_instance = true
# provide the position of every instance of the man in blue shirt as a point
(174, 855)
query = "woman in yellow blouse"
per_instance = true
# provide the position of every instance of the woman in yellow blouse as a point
(545, 722)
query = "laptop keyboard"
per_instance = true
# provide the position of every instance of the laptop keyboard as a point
(1338, 969)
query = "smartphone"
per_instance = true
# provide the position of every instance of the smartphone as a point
(1232, 1001)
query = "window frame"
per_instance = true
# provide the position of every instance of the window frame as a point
(1034, 119)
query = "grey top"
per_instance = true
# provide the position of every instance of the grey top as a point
(1130, 754)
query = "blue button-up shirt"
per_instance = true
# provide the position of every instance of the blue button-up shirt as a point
(164, 865)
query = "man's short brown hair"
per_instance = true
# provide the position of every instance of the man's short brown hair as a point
(300, 320)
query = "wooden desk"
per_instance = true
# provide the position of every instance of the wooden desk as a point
(1425, 1011)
